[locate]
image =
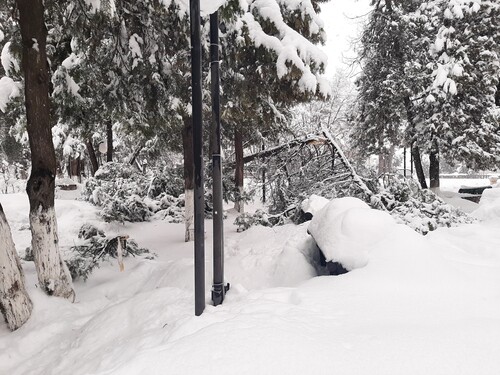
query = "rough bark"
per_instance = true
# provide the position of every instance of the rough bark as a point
(75, 168)
(187, 143)
(53, 275)
(415, 151)
(417, 162)
(109, 139)
(238, 172)
(15, 303)
(93, 158)
(434, 169)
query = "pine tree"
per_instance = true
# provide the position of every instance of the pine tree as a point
(270, 63)
(460, 120)
(431, 73)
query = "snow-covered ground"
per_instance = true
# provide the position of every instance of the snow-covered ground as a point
(420, 305)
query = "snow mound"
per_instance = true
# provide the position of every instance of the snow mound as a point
(313, 204)
(489, 205)
(347, 228)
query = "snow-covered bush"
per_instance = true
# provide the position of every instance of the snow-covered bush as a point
(125, 194)
(91, 249)
(260, 217)
(420, 209)
(94, 248)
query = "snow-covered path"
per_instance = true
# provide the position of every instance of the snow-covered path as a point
(422, 305)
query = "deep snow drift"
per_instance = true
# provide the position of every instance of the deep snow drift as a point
(419, 305)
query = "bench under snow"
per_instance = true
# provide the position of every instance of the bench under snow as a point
(472, 193)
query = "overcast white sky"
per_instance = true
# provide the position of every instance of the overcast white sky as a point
(341, 25)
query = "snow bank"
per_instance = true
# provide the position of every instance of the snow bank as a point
(314, 204)
(423, 305)
(489, 205)
(346, 229)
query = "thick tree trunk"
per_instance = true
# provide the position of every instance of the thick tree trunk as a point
(75, 168)
(434, 169)
(93, 158)
(53, 274)
(238, 172)
(109, 138)
(417, 162)
(187, 143)
(15, 304)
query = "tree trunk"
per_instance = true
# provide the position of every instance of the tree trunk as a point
(417, 161)
(385, 161)
(238, 173)
(53, 274)
(109, 137)
(434, 169)
(497, 96)
(187, 143)
(75, 168)
(15, 304)
(135, 154)
(93, 158)
(415, 152)
(382, 164)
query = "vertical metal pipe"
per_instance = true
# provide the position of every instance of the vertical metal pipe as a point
(263, 177)
(411, 159)
(218, 289)
(199, 193)
(404, 161)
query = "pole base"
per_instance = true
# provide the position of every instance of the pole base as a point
(219, 292)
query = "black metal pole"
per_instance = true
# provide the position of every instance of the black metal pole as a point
(411, 159)
(404, 161)
(199, 193)
(263, 177)
(218, 288)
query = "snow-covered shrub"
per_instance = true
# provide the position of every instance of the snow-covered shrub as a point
(125, 194)
(94, 248)
(260, 217)
(422, 210)
(130, 208)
